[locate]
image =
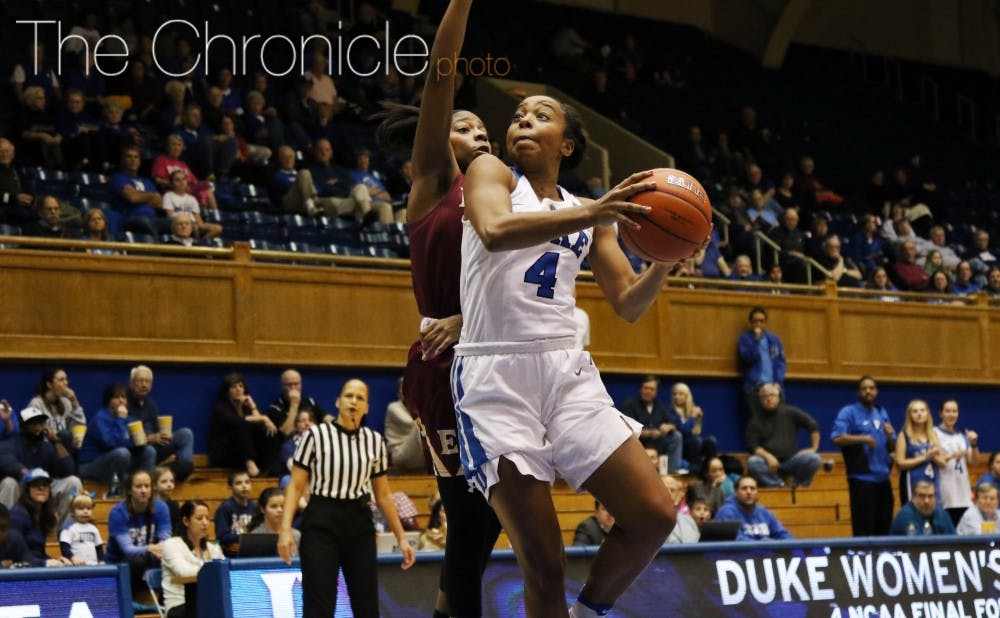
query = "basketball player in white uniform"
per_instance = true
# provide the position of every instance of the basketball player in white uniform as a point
(961, 450)
(528, 404)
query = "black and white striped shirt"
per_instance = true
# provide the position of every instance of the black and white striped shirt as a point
(340, 462)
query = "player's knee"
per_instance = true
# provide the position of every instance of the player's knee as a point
(545, 573)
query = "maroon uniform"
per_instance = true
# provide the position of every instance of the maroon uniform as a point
(436, 261)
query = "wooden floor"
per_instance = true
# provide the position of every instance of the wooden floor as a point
(819, 511)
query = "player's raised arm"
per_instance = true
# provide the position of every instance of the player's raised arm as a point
(434, 164)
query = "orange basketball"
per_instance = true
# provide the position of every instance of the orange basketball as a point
(680, 221)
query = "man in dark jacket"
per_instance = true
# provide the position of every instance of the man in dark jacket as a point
(659, 424)
(771, 441)
(37, 446)
(594, 529)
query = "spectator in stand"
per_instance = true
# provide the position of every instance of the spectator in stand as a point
(162, 478)
(270, 510)
(842, 269)
(58, 402)
(8, 421)
(772, 442)
(784, 195)
(182, 231)
(697, 446)
(109, 451)
(49, 224)
(700, 510)
(136, 196)
(992, 474)
(747, 133)
(694, 156)
(78, 131)
(34, 516)
(983, 516)
(812, 193)
(207, 154)
(863, 432)
(435, 537)
(660, 426)
(765, 212)
(685, 530)
(819, 231)
(918, 450)
(343, 195)
(741, 226)
(938, 242)
(37, 446)
(322, 89)
(993, 282)
(594, 529)
(234, 515)
(716, 484)
(980, 256)
(170, 162)
(80, 542)
(728, 162)
(172, 110)
(756, 522)
(402, 434)
(285, 411)
(13, 550)
(184, 554)
(963, 284)
(762, 357)
(922, 516)
(262, 130)
(179, 441)
(867, 248)
(376, 185)
(137, 528)
(960, 450)
(877, 194)
(16, 205)
(232, 97)
(710, 263)
(941, 284)
(139, 92)
(178, 202)
(743, 270)
(239, 435)
(26, 75)
(300, 113)
(879, 280)
(303, 421)
(40, 142)
(790, 238)
(113, 136)
(909, 275)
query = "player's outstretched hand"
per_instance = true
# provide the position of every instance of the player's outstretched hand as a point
(613, 206)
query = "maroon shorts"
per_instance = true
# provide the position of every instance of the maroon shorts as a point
(427, 394)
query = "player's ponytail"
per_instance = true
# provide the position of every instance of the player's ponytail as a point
(398, 126)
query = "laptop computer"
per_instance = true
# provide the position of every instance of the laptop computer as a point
(258, 545)
(386, 541)
(719, 530)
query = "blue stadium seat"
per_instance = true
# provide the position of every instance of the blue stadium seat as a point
(135, 237)
(9, 230)
(302, 247)
(342, 232)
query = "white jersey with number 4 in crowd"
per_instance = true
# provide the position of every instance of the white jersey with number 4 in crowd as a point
(520, 296)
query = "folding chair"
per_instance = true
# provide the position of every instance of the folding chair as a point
(154, 582)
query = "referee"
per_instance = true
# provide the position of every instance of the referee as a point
(336, 461)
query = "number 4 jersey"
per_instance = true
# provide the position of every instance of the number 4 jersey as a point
(523, 295)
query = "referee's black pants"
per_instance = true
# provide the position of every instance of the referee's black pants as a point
(338, 534)
(871, 507)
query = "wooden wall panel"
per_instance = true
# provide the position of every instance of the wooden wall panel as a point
(234, 309)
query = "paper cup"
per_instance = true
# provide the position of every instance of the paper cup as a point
(78, 432)
(166, 425)
(137, 433)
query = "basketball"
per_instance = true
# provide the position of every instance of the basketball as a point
(680, 221)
